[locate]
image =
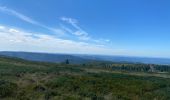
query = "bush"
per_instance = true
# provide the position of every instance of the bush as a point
(7, 88)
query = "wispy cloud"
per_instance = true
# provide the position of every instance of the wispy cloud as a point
(17, 39)
(20, 40)
(82, 34)
(70, 20)
(79, 32)
(28, 19)
(19, 15)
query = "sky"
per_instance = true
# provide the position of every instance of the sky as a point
(106, 27)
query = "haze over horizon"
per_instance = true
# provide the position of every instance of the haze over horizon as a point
(107, 27)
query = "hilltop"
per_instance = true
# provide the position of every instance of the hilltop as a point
(30, 80)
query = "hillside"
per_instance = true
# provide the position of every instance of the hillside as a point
(80, 58)
(27, 80)
(45, 57)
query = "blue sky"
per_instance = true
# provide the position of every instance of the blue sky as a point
(111, 27)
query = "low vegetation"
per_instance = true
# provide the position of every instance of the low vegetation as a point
(26, 80)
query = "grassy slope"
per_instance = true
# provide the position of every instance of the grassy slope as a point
(25, 80)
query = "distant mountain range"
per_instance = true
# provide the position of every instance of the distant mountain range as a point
(45, 57)
(78, 58)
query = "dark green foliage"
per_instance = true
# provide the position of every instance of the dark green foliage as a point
(133, 67)
(7, 88)
(25, 80)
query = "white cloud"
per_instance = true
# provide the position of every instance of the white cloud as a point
(19, 40)
(79, 32)
(69, 20)
(2, 27)
(19, 15)
(28, 19)
(13, 30)
(83, 35)
(16, 39)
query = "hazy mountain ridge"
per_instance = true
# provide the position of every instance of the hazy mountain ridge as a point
(80, 58)
(44, 57)
(145, 60)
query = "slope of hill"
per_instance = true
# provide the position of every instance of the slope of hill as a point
(78, 58)
(27, 80)
(145, 60)
(45, 57)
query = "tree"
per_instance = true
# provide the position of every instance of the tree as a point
(67, 61)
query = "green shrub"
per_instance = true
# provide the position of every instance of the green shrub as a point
(7, 88)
